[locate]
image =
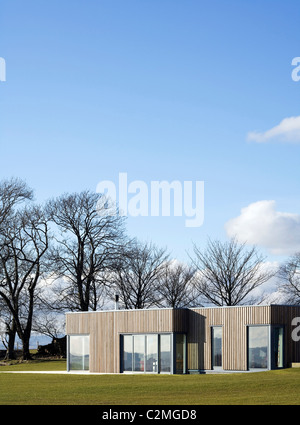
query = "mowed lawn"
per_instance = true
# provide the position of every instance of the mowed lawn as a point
(272, 387)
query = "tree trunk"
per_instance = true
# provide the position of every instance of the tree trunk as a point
(26, 352)
(27, 331)
(10, 351)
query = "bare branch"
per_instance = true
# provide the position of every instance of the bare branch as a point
(227, 273)
(87, 241)
(136, 274)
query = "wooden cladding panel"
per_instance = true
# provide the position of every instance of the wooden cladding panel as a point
(284, 315)
(233, 321)
(105, 328)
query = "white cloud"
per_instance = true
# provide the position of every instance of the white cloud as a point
(260, 224)
(288, 130)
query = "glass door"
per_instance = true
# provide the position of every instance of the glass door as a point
(258, 346)
(278, 347)
(165, 353)
(138, 353)
(147, 353)
(180, 353)
(216, 346)
(151, 353)
(78, 352)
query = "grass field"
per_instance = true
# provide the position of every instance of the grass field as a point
(271, 388)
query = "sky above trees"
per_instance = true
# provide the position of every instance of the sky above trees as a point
(161, 90)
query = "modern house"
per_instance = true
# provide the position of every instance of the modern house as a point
(183, 340)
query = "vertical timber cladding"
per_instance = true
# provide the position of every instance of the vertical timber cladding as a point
(234, 321)
(284, 315)
(105, 328)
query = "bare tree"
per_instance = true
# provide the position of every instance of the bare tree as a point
(13, 192)
(289, 280)
(227, 273)
(24, 244)
(136, 274)
(88, 239)
(175, 285)
(8, 330)
(50, 324)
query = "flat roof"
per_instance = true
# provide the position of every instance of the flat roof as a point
(184, 308)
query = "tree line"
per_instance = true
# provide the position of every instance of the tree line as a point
(73, 254)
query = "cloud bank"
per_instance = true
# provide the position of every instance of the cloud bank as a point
(260, 224)
(288, 131)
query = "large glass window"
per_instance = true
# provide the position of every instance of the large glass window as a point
(147, 353)
(180, 352)
(79, 352)
(151, 353)
(258, 347)
(216, 336)
(127, 352)
(278, 346)
(138, 353)
(165, 353)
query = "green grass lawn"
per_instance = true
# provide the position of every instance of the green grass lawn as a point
(272, 387)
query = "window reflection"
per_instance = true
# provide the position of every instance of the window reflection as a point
(152, 353)
(165, 353)
(127, 352)
(79, 352)
(147, 353)
(258, 347)
(180, 353)
(138, 353)
(278, 346)
(217, 346)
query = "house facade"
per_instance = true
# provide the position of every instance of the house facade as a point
(182, 341)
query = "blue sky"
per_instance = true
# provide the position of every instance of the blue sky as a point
(161, 90)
